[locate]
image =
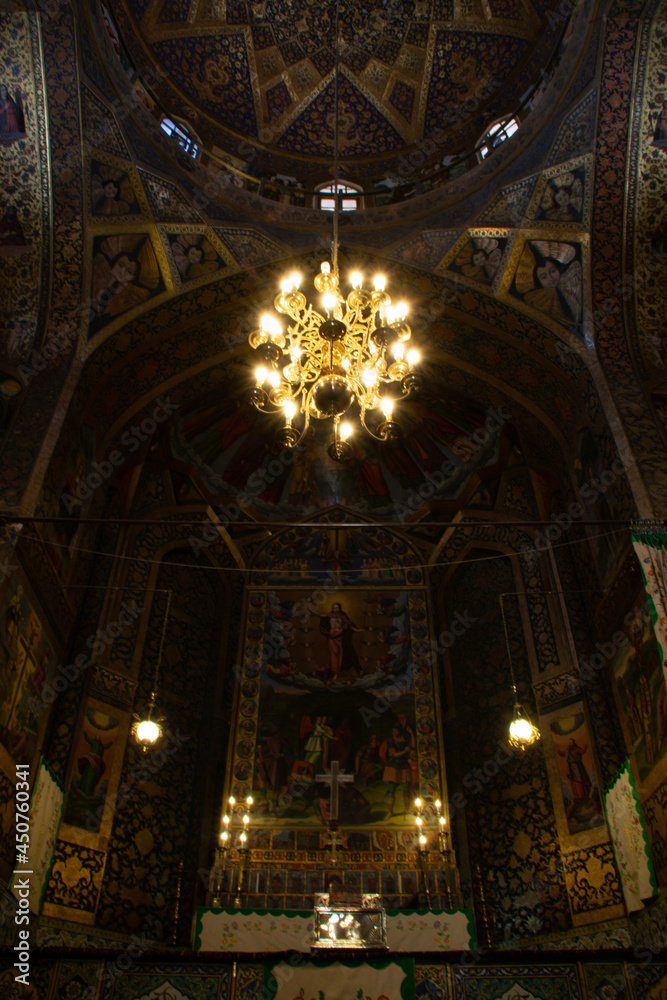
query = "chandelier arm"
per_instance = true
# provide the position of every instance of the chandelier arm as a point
(362, 417)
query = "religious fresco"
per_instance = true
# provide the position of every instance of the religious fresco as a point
(12, 121)
(93, 757)
(111, 191)
(27, 665)
(579, 786)
(125, 275)
(443, 444)
(562, 199)
(339, 671)
(479, 258)
(195, 255)
(638, 673)
(549, 279)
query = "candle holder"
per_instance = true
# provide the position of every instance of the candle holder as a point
(431, 824)
(232, 852)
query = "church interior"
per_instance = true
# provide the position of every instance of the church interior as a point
(275, 684)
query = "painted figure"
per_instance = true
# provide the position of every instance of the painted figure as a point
(11, 118)
(338, 628)
(395, 752)
(577, 774)
(92, 766)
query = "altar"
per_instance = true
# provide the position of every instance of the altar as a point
(262, 931)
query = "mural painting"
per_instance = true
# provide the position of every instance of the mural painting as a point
(563, 197)
(336, 673)
(480, 258)
(576, 770)
(549, 278)
(12, 124)
(111, 191)
(93, 757)
(638, 673)
(27, 665)
(125, 275)
(233, 451)
(194, 255)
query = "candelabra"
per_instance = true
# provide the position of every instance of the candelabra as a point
(232, 852)
(424, 813)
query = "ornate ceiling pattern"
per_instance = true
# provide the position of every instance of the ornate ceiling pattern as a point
(407, 70)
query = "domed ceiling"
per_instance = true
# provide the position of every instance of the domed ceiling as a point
(256, 79)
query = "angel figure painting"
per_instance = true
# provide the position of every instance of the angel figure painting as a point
(125, 274)
(11, 114)
(480, 258)
(194, 256)
(111, 192)
(563, 198)
(549, 279)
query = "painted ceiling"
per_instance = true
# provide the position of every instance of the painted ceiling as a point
(257, 78)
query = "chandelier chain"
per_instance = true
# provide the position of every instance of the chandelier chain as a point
(334, 246)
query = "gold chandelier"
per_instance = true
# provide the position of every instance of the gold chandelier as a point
(353, 350)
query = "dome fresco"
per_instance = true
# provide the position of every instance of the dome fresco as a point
(256, 79)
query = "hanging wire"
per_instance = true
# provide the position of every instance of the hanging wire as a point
(334, 247)
(507, 643)
(159, 655)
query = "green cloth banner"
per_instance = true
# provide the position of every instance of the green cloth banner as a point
(651, 550)
(373, 979)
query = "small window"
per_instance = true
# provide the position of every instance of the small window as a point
(496, 134)
(185, 138)
(350, 201)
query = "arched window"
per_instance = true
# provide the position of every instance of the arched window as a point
(350, 201)
(183, 135)
(497, 133)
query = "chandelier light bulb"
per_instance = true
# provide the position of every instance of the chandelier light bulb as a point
(295, 280)
(232, 800)
(273, 379)
(419, 821)
(369, 375)
(521, 729)
(356, 279)
(418, 803)
(148, 731)
(246, 819)
(390, 316)
(285, 286)
(442, 821)
(387, 406)
(345, 430)
(260, 374)
(402, 310)
(379, 282)
(243, 838)
(422, 839)
(290, 411)
(249, 801)
(225, 819)
(326, 267)
(224, 836)
(437, 803)
(398, 350)
(413, 357)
